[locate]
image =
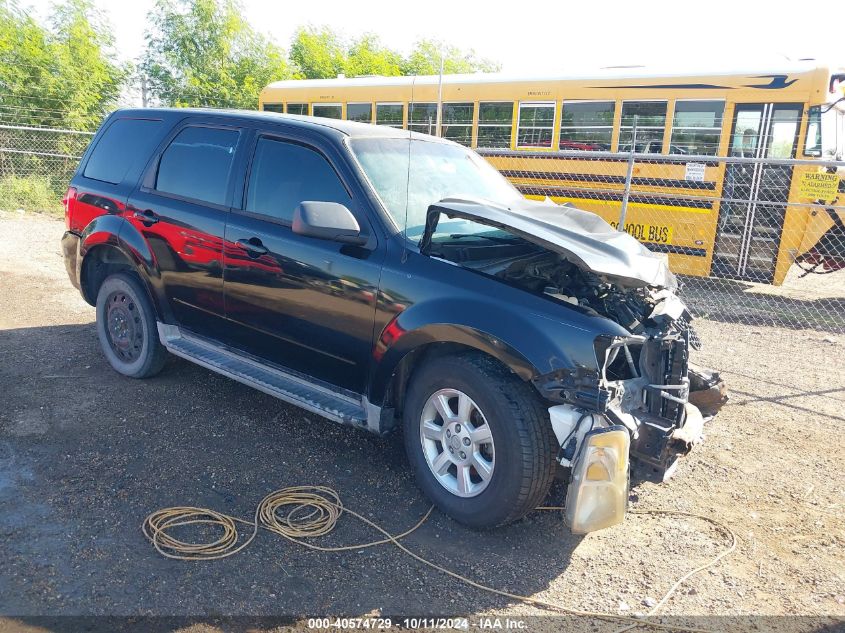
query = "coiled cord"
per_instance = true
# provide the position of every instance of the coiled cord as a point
(304, 512)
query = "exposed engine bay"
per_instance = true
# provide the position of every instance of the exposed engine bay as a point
(633, 307)
(645, 384)
(637, 402)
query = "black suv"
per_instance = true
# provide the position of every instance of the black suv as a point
(377, 277)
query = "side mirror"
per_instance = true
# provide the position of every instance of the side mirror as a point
(327, 221)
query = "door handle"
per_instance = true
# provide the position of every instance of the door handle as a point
(253, 247)
(146, 217)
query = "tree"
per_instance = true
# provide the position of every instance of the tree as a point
(317, 53)
(84, 51)
(203, 53)
(321, 53)
(66, 76)
(368, 56)
(424, 59)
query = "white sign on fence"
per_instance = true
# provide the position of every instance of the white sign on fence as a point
(695, 172)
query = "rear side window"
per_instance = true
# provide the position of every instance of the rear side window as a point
(197, 163)
(126, 144)
(284, 174)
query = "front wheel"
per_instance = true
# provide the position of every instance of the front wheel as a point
(479, 440)
(126, 327)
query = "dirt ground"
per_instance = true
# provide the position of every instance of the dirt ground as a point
(86, 454)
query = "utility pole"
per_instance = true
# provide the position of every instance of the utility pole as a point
(624, 210)
(440, 95)
(143, 91)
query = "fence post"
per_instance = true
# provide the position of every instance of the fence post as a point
(624, 210)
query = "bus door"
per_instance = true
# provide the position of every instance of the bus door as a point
(755, 194)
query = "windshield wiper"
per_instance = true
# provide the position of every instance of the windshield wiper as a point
(491, 238)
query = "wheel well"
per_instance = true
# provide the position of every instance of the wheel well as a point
(416, 358)
(98, 264)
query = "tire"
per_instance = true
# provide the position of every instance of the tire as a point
(126, 327)
(519, 459)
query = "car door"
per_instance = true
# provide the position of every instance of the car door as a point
(181, 208)
(304, 303)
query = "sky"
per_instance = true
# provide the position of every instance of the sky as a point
(558, 36)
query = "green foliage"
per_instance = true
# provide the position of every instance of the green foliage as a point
(30, 193)
(204, 53)
(317, 53)
(424, 59)
(368, 56)
(63, 76)
(320, 53)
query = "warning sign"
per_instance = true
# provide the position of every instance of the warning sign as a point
(819, 186)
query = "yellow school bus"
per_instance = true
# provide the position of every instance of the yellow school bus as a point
(741, 220)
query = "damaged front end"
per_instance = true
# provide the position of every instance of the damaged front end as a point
(633, 403)
(641, 391)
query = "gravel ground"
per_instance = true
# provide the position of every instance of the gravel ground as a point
(86, 454)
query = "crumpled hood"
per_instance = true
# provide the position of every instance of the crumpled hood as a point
(582, 237)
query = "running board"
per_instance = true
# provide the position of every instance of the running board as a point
(292, 388)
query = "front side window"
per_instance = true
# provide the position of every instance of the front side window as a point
(361, 112)
(297, 108)
(696, 127)
(495, 121)
(327, 110)
(284, 174)
(457, 122)
(422, 117)
(536, 123)
(197, 164)
(587, 125)
(273, 107)
(409, 180)
(651, 125)
(389, 114)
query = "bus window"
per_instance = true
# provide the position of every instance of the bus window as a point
(422, 117)
(813, 143)
(297, 108)
(361, 112)
(586, 125)
(825, 132)
(696, 127)
(784, 130)
(495, 121)
(457, 122)
(327, 110)
(273, 107)
(389, 114)
(536, 122)
(746, 132)
(651, 125)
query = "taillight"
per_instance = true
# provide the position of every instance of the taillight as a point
(68, 202)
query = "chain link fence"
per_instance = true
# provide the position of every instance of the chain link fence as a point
(754, 240)
(36, 164)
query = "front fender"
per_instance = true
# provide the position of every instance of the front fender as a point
(530, 344)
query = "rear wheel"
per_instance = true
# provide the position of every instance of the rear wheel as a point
(479, 440)
(126, 327)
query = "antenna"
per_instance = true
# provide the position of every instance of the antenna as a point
(440, 95)
(408, 179)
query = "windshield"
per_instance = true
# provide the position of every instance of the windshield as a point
(416, 177)
(825, 133)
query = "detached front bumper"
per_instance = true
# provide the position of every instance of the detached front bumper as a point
(70, 251)
(639, 413)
